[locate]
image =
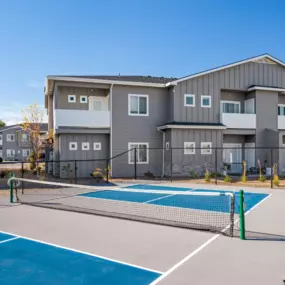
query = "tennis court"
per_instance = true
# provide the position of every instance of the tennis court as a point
(39, 245)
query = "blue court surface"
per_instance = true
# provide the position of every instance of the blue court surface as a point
(27, 262)
(207, 203)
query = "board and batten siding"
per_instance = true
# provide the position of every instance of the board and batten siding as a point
(143, 129)
(239, 77)
(84, 167)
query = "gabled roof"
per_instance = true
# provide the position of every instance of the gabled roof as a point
(43, 127)
(266, 57)
(127, 78)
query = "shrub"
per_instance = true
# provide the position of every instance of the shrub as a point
(32, 161)
(244, 177)
(149, 175)
(207, 175)
(107, 172)
(276, 181)
(98, 175)
(261, 177)
(193, 174)
(4, 173)
(227, 178)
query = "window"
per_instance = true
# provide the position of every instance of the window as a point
(26, 152)
(206, 101)
(189, 148)
(283, 140)
(281, 110)
(141, 155)
(71, 98)
(167, 145)
(83, 99)
(85, 146)
(10, 137)
(10, 152)
(231, 107)
(97, 146)
(1, 153)
(206, 148)
(73, 146)
(25, 137)
(138, 105)
(189, 100)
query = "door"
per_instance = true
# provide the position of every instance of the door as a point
(249, 106)
(95, 104)
(232, 155)
(249, 155)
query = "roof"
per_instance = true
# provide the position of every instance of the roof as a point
(43, 127)
(191, 125)
(127, 78)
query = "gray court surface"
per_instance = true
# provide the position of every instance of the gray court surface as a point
(182, 256)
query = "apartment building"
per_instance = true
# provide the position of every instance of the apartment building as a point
(15, 144)
(239, 107)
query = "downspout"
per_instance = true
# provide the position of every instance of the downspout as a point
(111, 135)
(163, 146)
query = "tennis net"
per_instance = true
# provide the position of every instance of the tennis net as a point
(210, 211)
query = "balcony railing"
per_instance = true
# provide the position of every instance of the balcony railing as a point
(239, 120)
(81, 118)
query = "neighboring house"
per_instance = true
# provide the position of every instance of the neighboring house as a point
(239, 107)
(15, 144)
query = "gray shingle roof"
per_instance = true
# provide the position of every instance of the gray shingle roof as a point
(131, 78)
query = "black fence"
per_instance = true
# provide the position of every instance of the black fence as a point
(209, 164)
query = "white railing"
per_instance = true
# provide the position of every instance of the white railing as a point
(1, 142)
(281, 122)
(81, 118)
(239, 120)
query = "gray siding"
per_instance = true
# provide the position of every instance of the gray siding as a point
(127, 129)
(50, 112)
(240, 77)
(170, 105)
(84, 168)
(281, 99)
(61, 101)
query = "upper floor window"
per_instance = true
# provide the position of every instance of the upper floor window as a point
(231, 107)
(206, 101)
(71, 98)
(10, 152)
(73, 146)
(189, 148)
(10, 137)
(141, 155)
(138, 105)
(85, 146)
(83, 99)
(281, 110)
(97, 146)
(189, 100)
(25, 137)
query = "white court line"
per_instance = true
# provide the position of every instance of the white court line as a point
(10, 239)
(168, 272)
(158, 198)
(83, 252)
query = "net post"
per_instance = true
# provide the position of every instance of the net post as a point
(75, 172)
(216, 166)
(241, 215)
(271, 169)
(171, 164)
(22, 175)
(232, 217)
(107, 171)
(11, 187)
(135, 164)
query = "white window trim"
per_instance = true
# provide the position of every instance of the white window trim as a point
(97, 148)
(206, 97)
(202, 148)
(185, 100)
(129, 105)
(25, 140)
(1, 153)
(25, 150)
(69, 96)
(187, 150)
(281, 106)
(70, 148)
(84, 96)
(9, 135)
(10, 154)
(147, 153)
(167, 145)
(232, 102)
(87, 144)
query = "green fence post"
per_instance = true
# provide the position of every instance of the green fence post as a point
(11, 187)
(241, 215)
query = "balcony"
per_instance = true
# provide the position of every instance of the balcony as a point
(81, 118)
(281, 122)
(239, 120)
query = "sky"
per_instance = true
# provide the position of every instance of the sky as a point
(171, 38)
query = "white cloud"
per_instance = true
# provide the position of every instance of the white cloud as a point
(12, 114)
